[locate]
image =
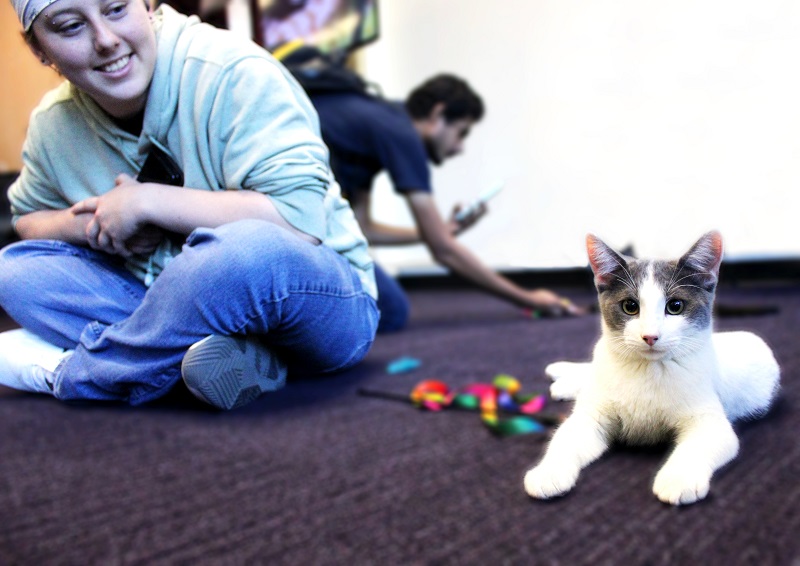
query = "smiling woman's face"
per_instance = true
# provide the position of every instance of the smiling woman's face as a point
(106, 48)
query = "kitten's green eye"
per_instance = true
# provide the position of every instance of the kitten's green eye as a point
(675, 306)
(630, 307)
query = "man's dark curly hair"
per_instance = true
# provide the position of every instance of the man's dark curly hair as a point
(460, 101)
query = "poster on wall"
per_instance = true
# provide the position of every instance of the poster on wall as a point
(210, 11)
(332, 26)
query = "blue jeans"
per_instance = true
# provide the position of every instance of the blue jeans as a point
(247, 277)
(392, 302)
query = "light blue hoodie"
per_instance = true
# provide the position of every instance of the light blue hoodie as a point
(226, 111)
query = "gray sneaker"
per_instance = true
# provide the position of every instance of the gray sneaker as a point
(231, 371)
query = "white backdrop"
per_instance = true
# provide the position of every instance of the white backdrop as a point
(643, 122)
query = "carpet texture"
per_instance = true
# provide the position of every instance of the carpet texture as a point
(318, 474)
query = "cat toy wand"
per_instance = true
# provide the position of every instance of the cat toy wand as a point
(550, 419)
(523, 413)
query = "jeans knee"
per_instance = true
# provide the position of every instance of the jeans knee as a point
(6, 266)
(12, 270)
(252, 254)
(243, 241)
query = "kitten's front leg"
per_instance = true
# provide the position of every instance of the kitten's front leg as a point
(702, 448)
(568, 379)
(579, 441)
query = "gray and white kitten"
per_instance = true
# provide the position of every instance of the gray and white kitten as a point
(658, 373)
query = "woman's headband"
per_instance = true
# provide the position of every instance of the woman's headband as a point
(27, 10)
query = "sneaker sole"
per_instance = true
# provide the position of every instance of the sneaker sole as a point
(230, 371)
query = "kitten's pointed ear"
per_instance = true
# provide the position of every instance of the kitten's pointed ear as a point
(705, 257)
(604, 261)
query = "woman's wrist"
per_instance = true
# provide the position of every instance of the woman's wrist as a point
(54, 225)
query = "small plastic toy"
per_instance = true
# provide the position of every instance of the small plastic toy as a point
(403, 365)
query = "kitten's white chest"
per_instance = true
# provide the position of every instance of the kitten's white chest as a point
(647, 402)
(643, 414)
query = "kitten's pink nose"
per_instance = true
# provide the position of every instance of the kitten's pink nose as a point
(650, 339)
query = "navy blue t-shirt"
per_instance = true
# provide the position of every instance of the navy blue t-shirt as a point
(366, 135)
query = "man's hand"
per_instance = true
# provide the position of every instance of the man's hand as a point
(550, 304)
(457, 226)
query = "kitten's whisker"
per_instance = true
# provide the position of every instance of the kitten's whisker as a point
(687, 286)
(628, 273)
(672, 284)
(624, 282)
(672, 280)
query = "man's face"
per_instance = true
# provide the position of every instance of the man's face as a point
(446, 139)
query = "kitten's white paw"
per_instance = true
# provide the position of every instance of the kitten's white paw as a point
(566, 388)
(568, 379)
(681, 486)
(557, 370)
(548, 480)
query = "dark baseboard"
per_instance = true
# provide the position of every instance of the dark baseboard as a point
(773, 271)
(732, 273)
(529, 278)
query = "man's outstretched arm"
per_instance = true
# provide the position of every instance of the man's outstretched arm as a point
(447, 251)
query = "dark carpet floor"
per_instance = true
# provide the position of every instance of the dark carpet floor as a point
(318, 474)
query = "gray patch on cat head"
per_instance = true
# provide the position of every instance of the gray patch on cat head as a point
(691, 279)
(682, 281)
(678, 281)
(624, 284)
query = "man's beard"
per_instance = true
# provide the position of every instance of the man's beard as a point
(433, 156)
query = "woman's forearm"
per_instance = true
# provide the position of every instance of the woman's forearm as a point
(120, 213)
(184, 210)
(179, 211)
(53, 225)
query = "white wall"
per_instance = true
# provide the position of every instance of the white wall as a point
(644, 122)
